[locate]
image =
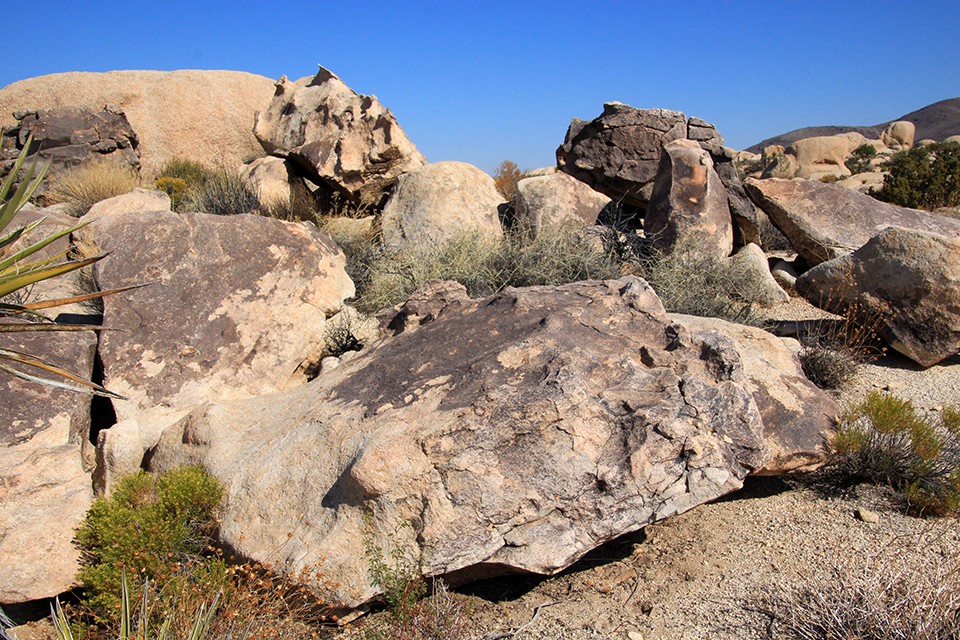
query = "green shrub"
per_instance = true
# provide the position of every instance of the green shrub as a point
(884, 440)
(152, 527)
(859, 160)
(85, 185)
(925, 177)
(830, 178)
(193, 173)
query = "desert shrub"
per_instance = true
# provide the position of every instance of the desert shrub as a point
(506, 177)
(152, 527)
(181, 176)
(223, 193)
(884, 440)
(908, 590)
(859, 160)
(833, 349)
(385, 278)
(925, 177)
(698, 286)
(87, 184)
(771, 238)
(830, 178)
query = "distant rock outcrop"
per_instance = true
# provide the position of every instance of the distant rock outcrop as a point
(935, 122)
(202, 115)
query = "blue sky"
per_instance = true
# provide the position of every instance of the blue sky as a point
(483, 82)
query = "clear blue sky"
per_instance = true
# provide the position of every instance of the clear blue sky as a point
(485, 81)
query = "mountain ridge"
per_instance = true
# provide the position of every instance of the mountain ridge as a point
(936, 121)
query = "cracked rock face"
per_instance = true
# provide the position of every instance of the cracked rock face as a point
(512, 433)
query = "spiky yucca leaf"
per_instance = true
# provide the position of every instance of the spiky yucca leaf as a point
(17, 273)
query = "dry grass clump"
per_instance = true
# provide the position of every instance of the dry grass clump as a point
(699, 286)
(87, 184)
(384, 278)
(909, 590)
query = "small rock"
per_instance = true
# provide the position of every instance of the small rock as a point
(868, 516)
(634, 635)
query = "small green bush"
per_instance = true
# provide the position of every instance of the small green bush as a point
(859, 160)
(154, 527)
(884, 440)
(87, 184)
(925, 177)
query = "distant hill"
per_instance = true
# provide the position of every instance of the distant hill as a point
(937, 121)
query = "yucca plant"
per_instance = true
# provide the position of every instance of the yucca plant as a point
(142, 632)
(19, 270)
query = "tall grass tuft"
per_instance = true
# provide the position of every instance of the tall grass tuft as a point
(85, 185)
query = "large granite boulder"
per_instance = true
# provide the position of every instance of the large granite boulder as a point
(618, 152)
(237, 308)
(336, 136)
(906, 282)
(798, 418)
(200, 115)
(688, 207)
(439, 202)
(825, 221)
(67, 137)
(551, 202)
(45, 487)
(511, 433)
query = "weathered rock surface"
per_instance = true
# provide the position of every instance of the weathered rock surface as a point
(67, 137)
(750, 267)
(824, 221)
(349, 141)
(439, 202)
(550, 202)
(905, 280)
(899, 134)
(512, 433)
(274, 179)
(135, 201)
(201, 115)
(618, 152)
(797, 416)
(239, 303)
(45, 490)
(688, 207)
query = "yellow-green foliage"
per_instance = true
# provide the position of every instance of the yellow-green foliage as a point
(174, 187)
(87, 184)
(155, 527)
(884, 440)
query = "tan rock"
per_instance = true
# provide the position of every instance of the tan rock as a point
(535, 425)
(688, 206)
(346, 140)
(138, 200)
(553, 201)
(201, 115)
(899, 135)
(238, 305)
(439, 202)
(797, 416)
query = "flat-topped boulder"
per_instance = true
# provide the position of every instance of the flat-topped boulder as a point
(825, 221)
